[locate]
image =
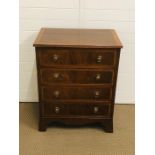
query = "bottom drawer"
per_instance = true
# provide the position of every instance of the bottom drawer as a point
(83, 109)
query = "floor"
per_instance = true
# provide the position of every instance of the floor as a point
(87, 140)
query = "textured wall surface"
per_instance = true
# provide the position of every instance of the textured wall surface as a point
(118, 15)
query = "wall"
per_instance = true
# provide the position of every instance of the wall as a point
(35, 14)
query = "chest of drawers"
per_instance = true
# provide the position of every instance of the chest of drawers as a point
(77, 72)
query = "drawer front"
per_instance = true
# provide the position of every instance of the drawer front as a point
(63, 57)
(72, 92)
(65, 76)
(76, 109)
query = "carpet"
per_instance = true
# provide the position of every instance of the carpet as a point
(87, 140)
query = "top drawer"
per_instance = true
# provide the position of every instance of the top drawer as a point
(63, 57)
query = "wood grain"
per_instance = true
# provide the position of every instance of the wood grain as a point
(76, 76)
(61, 57)
(82, 38)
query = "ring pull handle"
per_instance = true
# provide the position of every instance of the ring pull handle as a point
(99, 59)
(56, 93)
(55, 57)
(57, 110)
(96, 110)
(56, 75)
(98, 76)
(96, 94)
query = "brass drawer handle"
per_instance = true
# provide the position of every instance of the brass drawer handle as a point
(56, 93)
(96, 110)
(55, 57)
(98, 76)
(56, 75)
(57, 109)
(96, 94)
(99, 59)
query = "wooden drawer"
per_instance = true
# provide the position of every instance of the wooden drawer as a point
(76, 76)
(63, 57)
(71, 109)
(76, 92)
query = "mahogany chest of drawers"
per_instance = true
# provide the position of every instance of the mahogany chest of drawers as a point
(77, 72)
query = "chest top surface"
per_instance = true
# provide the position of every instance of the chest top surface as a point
(78, 38)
